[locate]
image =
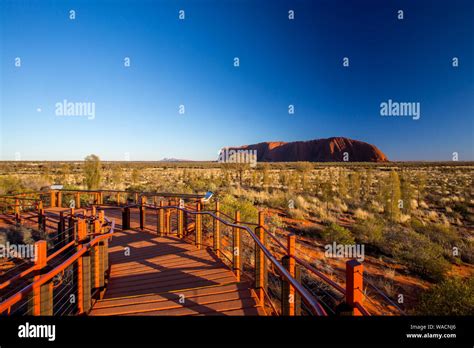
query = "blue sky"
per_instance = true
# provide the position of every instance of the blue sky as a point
(190, 62)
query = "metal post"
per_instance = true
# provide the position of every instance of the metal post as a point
(288, 291)
(260, 264)
(84, 271)
(42, 295)
(142, 213)
(354, 285)
(168, 221)
(217, 236)
(60, 199)
(180, 223)
(236, 247)
(61, 229)
(161, 220)
(78, 200)
(126, 218)
(52, 197)
(198, 241)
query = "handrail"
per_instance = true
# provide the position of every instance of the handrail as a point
(310, 300)
(308, 266)
(314, 305)
(51, 274)
(321, 275)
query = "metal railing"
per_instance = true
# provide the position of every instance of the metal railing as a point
(66, 280)
(253, 253)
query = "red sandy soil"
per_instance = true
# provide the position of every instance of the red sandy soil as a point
(375, 268)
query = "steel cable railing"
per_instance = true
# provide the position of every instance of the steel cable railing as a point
(18, 299)
(311, 302)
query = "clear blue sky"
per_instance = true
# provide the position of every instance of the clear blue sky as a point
(190, 62)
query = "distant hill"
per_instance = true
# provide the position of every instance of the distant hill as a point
(318, 150)
(174, 160)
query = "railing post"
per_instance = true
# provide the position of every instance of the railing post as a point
(42, 303)
(84, 281)
(71, 226)
(40, 218)
(260, 264)
(180, 223)
(354, 285)
(288, 297)
(96, 226)
(198, 241)
(236, 247)
(217, 234)
(99, 257)
(161, 220)
(52, 198)
(60, 199)
(168, 221)
(143, 212)
(117, 198)
(61, 229)
(78, 200)
(126, 218)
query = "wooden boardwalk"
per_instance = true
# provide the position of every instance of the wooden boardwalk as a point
(153, 275)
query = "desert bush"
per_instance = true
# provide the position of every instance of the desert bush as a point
(441, 234)
(453, 296)
(10, 184)
(417, 251)
(361, 214)
(296, 214)
(229, 204)
(19, 235)
(338, 234)
(467, 251)
(369, 231)
(274, 222)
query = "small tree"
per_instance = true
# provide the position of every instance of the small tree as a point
(367, 186)
(395, 195)
(355, 184)
(342, 184)
(406, 192)
(303, 168)
(92, 172)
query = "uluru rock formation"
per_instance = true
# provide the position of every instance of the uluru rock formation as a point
(318, 150)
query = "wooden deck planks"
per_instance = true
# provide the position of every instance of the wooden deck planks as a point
(152, 275)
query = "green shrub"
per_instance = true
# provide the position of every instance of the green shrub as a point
(440, 234)
(417, 251)
(369, 231)
(10, 184)
(248, 212)
(338, 234)
(452, 296)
